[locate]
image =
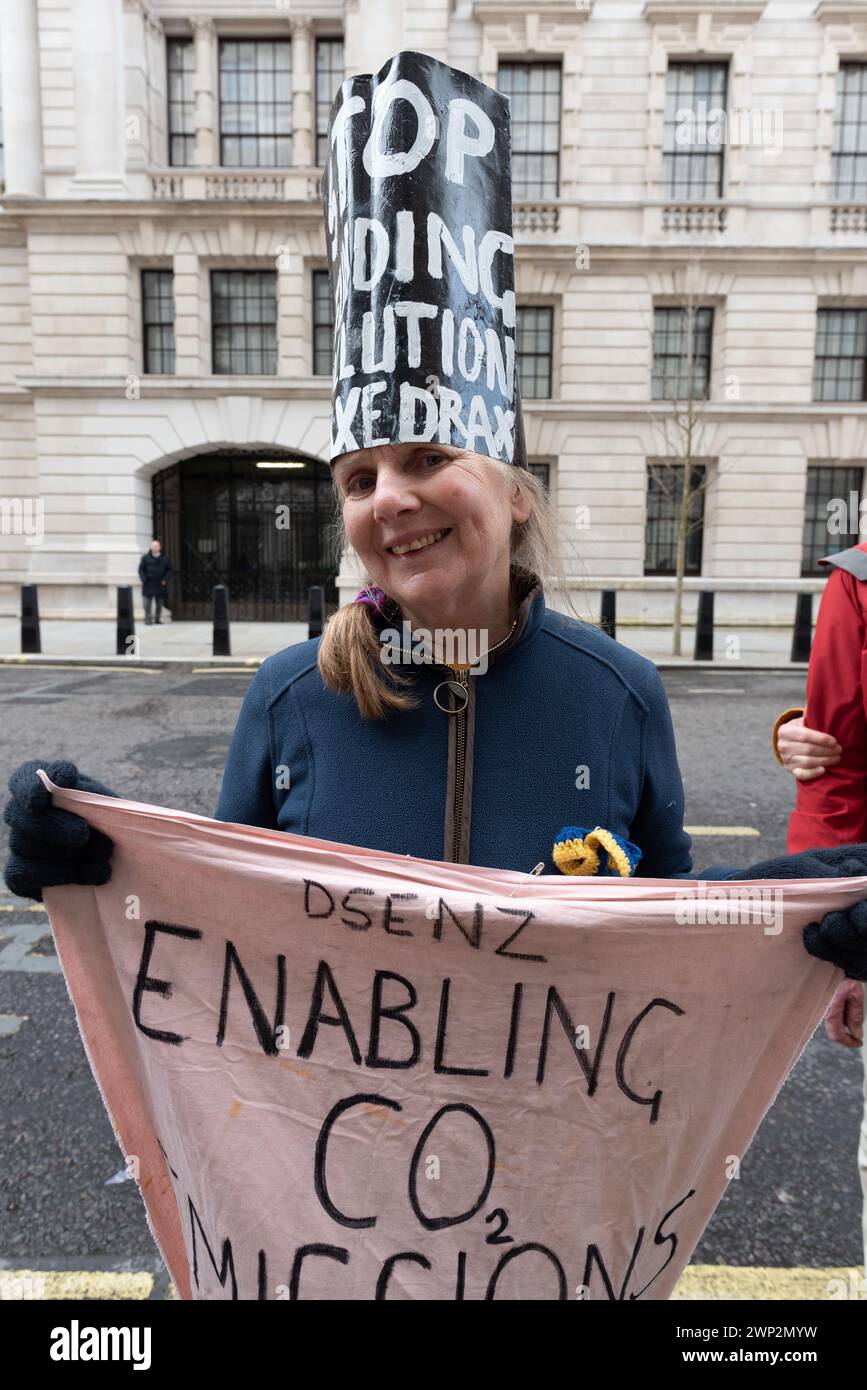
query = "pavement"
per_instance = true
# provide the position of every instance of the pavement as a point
(167, 643)
(94, 640)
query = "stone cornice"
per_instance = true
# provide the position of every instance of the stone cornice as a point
(677, 11)
(100, 210)
(508, 11)
(840, 12)
(179, 388)
(175, 387)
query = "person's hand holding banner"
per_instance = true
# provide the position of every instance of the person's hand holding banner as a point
(840, 937)
(48, 846)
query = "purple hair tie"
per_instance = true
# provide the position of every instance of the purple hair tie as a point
(374, 596)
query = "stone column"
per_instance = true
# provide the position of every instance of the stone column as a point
(22, 113)
(189, 347)
(303, 110)
(136, 126)
(205, 78)
(99, 111)
(373, 33)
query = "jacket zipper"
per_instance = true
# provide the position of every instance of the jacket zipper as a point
(460, 676)
(460, 761)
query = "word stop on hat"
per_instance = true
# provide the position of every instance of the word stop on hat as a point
(417, 197)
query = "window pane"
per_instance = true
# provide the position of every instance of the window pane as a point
(534, 343)
(244, 317)
(692, 152)
(542, 470)
(534, 91)
(158, 317)
(664, 499)
(323, 324)
(849, 141)
(181, 122)
(255, 103)
(834, 527)
(672, 352)
(841, 355)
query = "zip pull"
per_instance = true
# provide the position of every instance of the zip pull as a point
(457, 687)
(538, 869)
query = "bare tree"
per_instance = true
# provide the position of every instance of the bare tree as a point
(681, 469)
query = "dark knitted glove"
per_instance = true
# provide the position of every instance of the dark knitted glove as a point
(48, 846)
(840, 937)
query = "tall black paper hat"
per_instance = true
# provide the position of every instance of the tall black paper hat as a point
(417, 193)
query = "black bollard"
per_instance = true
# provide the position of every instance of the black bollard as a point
(30, 639)
(704, 628)
(802, 637)
(608, 616)
(222, 646)
(315, 610)
(125, 621)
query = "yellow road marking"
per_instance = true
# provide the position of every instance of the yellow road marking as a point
(129, 665)
(74, 1283)
(10, 907)
(698, 1282)
(743, 1282)
(742, 830)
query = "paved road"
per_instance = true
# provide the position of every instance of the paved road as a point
(162, 738)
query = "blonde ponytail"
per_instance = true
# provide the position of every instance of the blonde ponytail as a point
(350, 663)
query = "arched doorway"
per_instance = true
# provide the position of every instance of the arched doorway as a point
(222, 519)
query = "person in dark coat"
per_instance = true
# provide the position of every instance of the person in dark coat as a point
(153, 571)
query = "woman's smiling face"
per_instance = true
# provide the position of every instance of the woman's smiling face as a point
(397, 494)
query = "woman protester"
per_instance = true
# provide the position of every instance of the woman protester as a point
(448, 712)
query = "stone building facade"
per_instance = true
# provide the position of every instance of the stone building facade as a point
(691, 236)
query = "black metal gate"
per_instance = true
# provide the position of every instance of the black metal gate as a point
(266, 533)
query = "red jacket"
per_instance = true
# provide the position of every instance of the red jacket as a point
(832, 810)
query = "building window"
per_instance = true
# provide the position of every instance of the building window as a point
(330, 72)
(681, 334)
(158, 319)
(182, 126)
(695, 95)
(849, 146)
(244, 313)
(841, 355)
(256, 103)
(535, 348)
(831, 514)
(535, 93)
(323, 324)
(543, 472)
(664, 498)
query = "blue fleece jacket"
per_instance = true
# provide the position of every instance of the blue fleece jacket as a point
(569, 728)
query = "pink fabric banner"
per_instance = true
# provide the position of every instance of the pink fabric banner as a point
(338, 1073)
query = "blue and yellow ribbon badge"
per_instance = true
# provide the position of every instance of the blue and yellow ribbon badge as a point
(576, 851)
